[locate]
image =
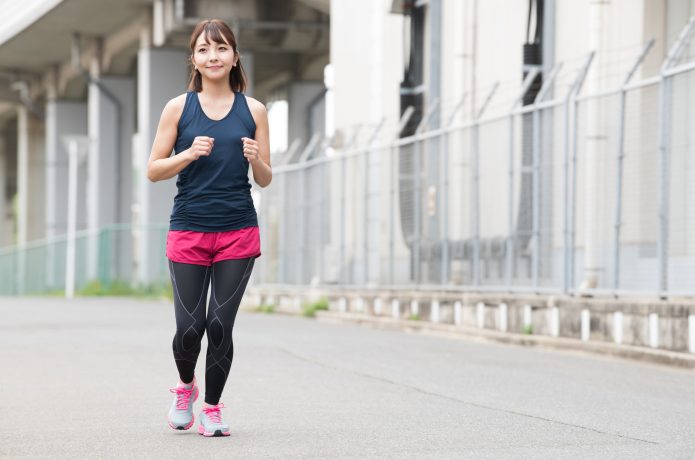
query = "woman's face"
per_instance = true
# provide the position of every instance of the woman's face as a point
(213, 60)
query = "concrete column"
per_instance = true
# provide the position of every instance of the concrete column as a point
(162, 75)
(247, 62)
(8, 162)
(30, 177)
(303, 99)
(63, 118)
(4, 230)
(109, 172)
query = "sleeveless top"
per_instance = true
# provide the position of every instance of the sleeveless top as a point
(214, 192)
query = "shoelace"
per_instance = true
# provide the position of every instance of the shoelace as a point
(183, 397)
(213, 413)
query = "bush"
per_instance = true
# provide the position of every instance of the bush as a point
(123, 288)
(309, 310)
(266, 308)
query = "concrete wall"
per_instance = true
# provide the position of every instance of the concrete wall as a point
(367, 55)
(63, 118)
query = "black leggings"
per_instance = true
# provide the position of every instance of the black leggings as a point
(190, 284)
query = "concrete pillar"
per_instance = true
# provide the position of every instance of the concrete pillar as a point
(30, 192)
(63, 118)
(162, 75)
(30, 177)
(247, 61)
(109, 194)
(306, 110)
(8, 160)
(4, 230)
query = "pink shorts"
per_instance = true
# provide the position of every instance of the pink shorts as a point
(206, 248)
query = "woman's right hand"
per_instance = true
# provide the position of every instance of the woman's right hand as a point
(201, 147)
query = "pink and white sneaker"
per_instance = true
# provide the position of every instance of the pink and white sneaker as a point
(211, 424)
(181, 411)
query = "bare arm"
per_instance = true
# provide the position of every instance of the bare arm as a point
(161, 164)
(260, 163)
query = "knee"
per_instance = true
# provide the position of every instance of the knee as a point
(189, 338)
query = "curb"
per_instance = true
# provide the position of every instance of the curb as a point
(664, 357)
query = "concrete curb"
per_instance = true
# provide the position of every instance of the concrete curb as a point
(664, 357)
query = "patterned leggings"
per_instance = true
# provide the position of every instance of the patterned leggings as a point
(190, 283)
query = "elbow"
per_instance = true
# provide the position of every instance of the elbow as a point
(265, 184)
(151, 175)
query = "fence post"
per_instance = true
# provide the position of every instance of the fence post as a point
(664, 151)
(530, 77)
(620, 167)
(476, 185)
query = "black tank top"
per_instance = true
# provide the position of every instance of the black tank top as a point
(214, 192)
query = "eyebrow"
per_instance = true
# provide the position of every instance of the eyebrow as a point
(208, 44)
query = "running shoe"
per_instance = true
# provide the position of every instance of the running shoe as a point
(181, 412)
(211, 424)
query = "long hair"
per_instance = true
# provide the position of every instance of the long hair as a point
(217, 31)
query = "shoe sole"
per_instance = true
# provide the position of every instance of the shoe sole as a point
(186, 427)
(208, 434)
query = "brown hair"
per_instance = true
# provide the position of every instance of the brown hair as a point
(217, 31)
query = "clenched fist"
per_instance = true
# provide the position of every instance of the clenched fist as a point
(201, 147)
(250, 149)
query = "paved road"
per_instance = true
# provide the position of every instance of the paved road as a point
(90, 379)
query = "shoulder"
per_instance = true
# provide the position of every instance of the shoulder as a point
(176, 104)
(256, 107)
(174, 108)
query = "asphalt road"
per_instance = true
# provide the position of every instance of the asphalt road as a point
(90, 379)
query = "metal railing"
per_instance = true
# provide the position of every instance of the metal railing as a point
(527, 200)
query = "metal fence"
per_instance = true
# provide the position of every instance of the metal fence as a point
(590, 192)
(535, 198)
(42, 267)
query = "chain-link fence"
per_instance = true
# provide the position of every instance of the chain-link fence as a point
(573, 192)
(592, 192)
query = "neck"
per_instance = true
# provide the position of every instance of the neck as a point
(217, 88)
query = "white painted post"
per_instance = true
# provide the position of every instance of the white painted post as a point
(434, 312)
(395, 309)
(73, 159)
(360, 305)
(503, 317)
(377, 306)
(654, 330)
(480, 310)
(297, 303)
(342, 305)
(554, 321)
(618, 327)
(414, 310)
(691, 333)
(457, 312)
(586, 325)
(528, 320)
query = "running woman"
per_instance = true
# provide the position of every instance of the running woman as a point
(216, 132)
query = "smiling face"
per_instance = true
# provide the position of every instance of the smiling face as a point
(214, 56)
(214, 60)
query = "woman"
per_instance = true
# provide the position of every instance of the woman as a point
(216, 132)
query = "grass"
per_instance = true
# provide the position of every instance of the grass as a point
(266, 308)
(309, 310)
(528, 329)
(121, 288)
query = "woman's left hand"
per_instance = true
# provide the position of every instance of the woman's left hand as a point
(250, 149)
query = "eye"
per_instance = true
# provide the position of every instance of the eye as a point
(202, 50)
